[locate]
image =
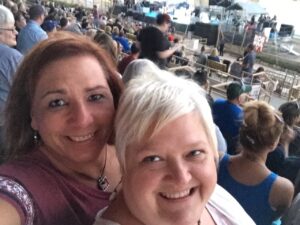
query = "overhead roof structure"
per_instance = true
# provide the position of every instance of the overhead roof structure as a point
(249, 7)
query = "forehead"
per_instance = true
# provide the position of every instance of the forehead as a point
(183, 132)
(76, 70)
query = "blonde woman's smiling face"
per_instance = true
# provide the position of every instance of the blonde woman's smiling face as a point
(169, 178)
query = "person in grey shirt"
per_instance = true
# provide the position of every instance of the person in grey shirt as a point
(202, 57)
(9, 61)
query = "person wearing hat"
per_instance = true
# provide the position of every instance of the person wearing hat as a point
(153, 42)
(49, 26)
(228, 114)
(32, 33)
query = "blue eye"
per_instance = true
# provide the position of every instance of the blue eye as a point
(57, 103)
(152, 158)
(95, 98)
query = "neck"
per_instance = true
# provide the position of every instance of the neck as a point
(119, 212)
(161, 28)
(234, 101)
(84, 172)
(259, 158)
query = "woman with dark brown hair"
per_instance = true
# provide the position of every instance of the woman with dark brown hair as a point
(61, 166)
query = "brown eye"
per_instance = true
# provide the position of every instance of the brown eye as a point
(95, 98)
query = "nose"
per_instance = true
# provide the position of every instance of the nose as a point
(179, 172)
(80, 115)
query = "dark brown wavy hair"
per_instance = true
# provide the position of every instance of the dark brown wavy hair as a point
(61, 45)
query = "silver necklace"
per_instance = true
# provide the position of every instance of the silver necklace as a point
(102, 181)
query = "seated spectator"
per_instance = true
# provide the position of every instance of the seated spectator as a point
(102, 21)
(249, 60)
(285, 159)
(214, 55)
(73, 26)
(128, 59)
(9, 62)
(110, 46)
(108, 30)
(246, 176)
(91, 33)
(49, 26)
(200, 77)
(32, 33)
(292, 216)
(291, 116)
(85, 25)
(236, 68)
(20, 21)
(138, 68)
(228, 114)
(202, 57)
(175, 173)
(63, 22)
(115, 32)
(123, 41)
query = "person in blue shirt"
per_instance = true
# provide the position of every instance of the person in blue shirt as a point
(214, 55)
(263, 194)
(123, 41)
(228, 115)
(249, 60)
(32, 33)
(9, 61)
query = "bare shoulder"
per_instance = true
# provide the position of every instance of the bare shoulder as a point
(281, 194)
(9, 214)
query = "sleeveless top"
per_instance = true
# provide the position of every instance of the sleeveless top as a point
(253, 198)
(43, 195)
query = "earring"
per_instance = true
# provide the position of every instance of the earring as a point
(35, 137)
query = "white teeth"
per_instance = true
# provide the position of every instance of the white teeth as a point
(81, 138)
(177, 195)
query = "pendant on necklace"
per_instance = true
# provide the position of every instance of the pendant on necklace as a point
(103, 183)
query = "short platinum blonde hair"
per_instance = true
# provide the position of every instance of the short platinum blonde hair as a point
(150, 102)
(6, 16)
(139, 67)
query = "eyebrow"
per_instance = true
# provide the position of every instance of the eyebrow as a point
(57, 91)
(63, 92)
(191, 145)
(95, 88)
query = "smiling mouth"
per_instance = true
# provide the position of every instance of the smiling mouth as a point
(82, 138)
(177, 195)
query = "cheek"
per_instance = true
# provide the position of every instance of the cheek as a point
(141, 184)
(206, 174)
